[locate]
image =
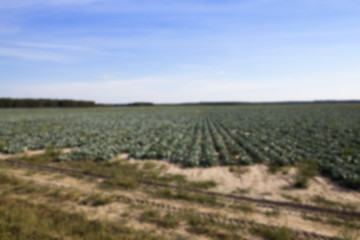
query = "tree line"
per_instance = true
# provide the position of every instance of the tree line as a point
(43, 103)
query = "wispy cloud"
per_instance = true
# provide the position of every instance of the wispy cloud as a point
(44, 51)
(317, 33)
(40, 45)
(27, 3)
(31, 54)
(179, 50)
(161, 6)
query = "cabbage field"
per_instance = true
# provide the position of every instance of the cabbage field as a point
(196, 136)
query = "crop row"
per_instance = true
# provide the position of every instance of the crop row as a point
(197, 136)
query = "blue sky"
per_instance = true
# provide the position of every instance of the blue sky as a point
(180, 50)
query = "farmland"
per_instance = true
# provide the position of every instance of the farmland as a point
(194, 172)
(279, 135)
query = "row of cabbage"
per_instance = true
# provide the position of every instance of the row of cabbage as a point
(196, 136)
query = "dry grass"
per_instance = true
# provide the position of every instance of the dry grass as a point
(273, 234)
(96, 200)
(186, 196)
(22, 220)
(167, 220)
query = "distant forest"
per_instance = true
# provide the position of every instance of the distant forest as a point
(54, 103)
(42, 103)
(149, 104)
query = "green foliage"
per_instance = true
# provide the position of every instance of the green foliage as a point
(306, 169)
(120, 182)
(238, 170)
(3, 146)
(291, 198)
(245, 207)
(98, 200)
(167, 220)
(213, 229)
(273, 168)
(202, 184)
(273, 234)
(50, 155)
(191, 197)
(51, 152)
(149, 165)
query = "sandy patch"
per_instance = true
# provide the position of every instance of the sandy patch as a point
(120, 156)
(256, 181)
(113, 211)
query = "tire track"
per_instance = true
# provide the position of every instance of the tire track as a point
(289, 206)
(235, 222)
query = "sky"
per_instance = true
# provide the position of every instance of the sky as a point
(169, 51)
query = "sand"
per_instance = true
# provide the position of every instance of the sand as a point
(256, 181)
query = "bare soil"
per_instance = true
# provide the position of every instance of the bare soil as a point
(113, 211)
(254, 181)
